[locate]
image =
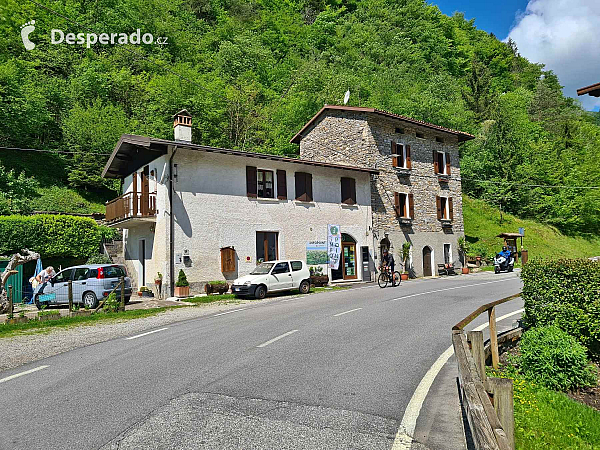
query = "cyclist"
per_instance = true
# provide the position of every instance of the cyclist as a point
(388, 261)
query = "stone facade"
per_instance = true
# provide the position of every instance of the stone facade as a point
(365, 139)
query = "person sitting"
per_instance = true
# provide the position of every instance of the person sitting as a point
(388, 260)
(505, 252)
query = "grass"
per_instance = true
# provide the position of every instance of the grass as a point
(546, 419)
(211, 298)
(482, 224)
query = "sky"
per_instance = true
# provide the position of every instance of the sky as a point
(562, 34)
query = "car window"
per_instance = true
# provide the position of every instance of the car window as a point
(81, 274)
(262, 269)
(63, 276)
(296, 266)
(113, 272)
(93, 273)
(281, 267)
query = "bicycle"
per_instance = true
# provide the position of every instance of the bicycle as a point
(386, 277)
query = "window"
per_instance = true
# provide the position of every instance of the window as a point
(444, 208)
(81, 274)
(420, 135)
(304, 192)
(404, 205)
(63, 276)
(296, 266)
(281, 267)
(114, 272)
(348, 191)
(266, 246)
(399, 130)
(264, 184)
(401, 156)
(441, 163)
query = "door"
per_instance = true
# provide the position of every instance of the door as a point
(80, 278)
(427, 262)
(281, 277)
(266, 246)
(142, 260)
(349, 260)
(447, 254)
(366, 270)
(60, 286)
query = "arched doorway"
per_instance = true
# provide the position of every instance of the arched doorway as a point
(427, 263)
(348, 262)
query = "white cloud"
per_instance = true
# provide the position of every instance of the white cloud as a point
(563, 35)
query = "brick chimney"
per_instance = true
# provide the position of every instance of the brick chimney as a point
(182, 125)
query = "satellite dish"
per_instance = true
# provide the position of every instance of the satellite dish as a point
(346, 97)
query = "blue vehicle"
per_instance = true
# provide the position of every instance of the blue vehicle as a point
(91, 283)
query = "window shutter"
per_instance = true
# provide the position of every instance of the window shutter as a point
(353, 190)
(408, 162)
(348, 191)
(281, 185)
(397, 203)
(309, 190)
(411, 206)
(394, 154)
(450, 208)
(448, 163)
(438, 202)
(251, 187)
(300, 186)
(436, 168)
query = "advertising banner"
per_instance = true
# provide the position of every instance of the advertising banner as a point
(316, 252)
(334, 245)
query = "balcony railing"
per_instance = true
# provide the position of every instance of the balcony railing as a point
(130, 206)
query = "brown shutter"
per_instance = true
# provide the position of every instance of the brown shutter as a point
(300, 186)
(438, 202)
(348, 191)
(353, 190)
(397, 203)
(394, 154)
(436, 168)
(251, 187)
(281, 185)
(408, 162)
(450, 208)
(447, 163)
(309, 190)
(411, 206)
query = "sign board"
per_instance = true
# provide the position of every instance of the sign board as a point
(522, 231)
(334, 245)
(316, 252)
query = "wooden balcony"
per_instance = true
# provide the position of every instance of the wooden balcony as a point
(131, 209)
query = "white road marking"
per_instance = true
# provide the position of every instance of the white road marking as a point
(229, 312)
(276, 339)
(346, 312)
(408, 424)
(17, 375)
(145, 334)
(448, 289)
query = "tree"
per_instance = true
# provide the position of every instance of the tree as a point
(15, 191)
(16, 260)
(478, 94)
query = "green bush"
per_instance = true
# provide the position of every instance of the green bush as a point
(99, 258)
(111, 304)
(50, 235)
(108, 233)
(566, 293)
(182, 279)
(553, 358)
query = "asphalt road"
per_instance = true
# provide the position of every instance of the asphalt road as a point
(333, 370)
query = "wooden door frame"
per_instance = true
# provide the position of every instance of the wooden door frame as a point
(345, 277)
(266, 244)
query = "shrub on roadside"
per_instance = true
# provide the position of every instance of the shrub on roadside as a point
(555, 359)
(112, 303)
(566, 293)
(99, 258)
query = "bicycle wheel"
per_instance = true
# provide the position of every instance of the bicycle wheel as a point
(396, 280)
(382, 280)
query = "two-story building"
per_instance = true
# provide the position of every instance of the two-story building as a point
(416, 195)
(216, 212)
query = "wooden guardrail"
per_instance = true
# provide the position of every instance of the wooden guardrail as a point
(488, 402)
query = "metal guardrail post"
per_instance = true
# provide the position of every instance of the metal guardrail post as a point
(122, 307)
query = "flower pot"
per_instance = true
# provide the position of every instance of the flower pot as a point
(465, 270)
(319, 280)
(404, 276)
(81, 313)
(17, 320)
(216, 288)
(182, 291)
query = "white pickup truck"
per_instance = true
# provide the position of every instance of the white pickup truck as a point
(273, 276)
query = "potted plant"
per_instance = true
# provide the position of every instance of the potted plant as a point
(182, 287)
(316, 276)
(463, 248)
(405, 257)
(218, 287)
(158, 279)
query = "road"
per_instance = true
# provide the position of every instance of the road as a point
(332, 370)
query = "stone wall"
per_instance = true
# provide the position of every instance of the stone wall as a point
(364, 139)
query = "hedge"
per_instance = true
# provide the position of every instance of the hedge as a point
(566, 293)
(50, 235)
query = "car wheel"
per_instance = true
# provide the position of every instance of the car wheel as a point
(304, 287)
(90, 300)
(260, 292)
(38, 304)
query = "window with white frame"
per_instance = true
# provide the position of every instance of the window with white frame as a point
(401, 155)
(441, 163)
(444, 208)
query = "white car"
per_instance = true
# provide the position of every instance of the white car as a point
(273, 276)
